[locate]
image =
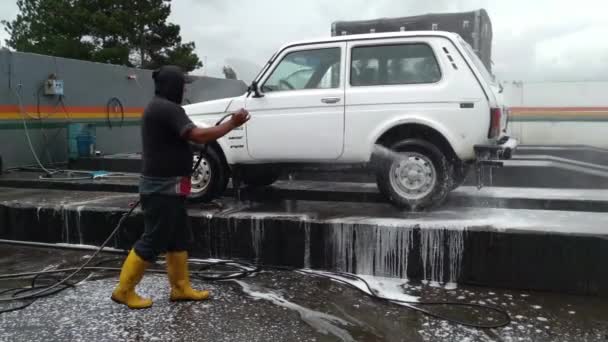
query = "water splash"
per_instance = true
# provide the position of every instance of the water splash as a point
(306, 244)
(455, 250)
(257, 235)
(78, 219)
(65, 219)
(392, 251)
(372, 250)
(65, 209)
(385, 251)
(383, 154)
(342, 238)
(324, 323)
(433, 245)
(431, 252)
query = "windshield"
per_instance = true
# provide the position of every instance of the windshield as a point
(261, 72)
(478, 63)
(306, 69)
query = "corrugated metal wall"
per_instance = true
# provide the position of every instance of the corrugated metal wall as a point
(88, 87)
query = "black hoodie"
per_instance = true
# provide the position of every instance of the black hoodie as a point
(169, 83)
(166, 152)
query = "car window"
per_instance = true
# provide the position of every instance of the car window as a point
(309, 69)
(299, 78)
(394, 64)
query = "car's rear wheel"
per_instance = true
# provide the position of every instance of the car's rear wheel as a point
(417, 176)
(210, 179)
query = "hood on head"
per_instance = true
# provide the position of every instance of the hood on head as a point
(169, 83)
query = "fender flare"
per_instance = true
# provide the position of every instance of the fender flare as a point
(419, 142)
(388, 125)
(377, 160)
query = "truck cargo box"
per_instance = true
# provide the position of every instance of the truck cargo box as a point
(474, 27)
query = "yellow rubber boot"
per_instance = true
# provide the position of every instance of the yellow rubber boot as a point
(130, 275)
(179, 277)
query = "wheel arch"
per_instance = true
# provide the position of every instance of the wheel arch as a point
(218, 148)
(418, 133)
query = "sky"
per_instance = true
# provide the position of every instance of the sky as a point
(534, 40)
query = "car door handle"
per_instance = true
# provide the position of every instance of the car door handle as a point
(330, 100)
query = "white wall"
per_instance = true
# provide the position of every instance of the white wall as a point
(558, 113)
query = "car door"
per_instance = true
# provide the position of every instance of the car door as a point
(300, 117)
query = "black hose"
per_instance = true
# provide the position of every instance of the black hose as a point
(46, 291)
(413, 305)
(114, 103)
(58, 284)
(239, 270)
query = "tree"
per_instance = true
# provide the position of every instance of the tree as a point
(134, 33)
(229, 73)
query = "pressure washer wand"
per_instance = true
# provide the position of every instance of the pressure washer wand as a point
(235, 179)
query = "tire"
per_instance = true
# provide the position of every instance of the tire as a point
(429, 181)
(211, 178)
(259, 177)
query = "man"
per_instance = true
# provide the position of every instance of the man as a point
(165, 183)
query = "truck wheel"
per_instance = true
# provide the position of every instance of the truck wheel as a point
(259, 176)
(417, 177)
(210, 179)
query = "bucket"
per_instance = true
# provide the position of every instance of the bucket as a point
(85, 145)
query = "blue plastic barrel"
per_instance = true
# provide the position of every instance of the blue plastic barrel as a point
(76, 130)
(85, 145)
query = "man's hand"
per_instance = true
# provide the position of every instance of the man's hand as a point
(240, 117)
(201, 135)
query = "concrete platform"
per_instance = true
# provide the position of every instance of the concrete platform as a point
(284, 306)
(580, 153)
(507, 248)
(591, 200)
(120, 162)
(571, 167)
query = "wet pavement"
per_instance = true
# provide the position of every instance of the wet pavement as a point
(284, 306)
(587, 200)
(449, 216)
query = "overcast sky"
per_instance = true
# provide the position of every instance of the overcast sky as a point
(533, 40)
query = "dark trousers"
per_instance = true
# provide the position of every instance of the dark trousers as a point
(166, 226)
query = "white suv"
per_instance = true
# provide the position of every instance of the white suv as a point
(424, 95)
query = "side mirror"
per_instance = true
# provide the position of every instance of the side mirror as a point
(254, 88)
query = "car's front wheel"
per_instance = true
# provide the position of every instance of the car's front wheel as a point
(415, 176)
(210, 178)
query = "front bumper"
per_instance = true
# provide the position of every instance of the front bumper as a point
(489, 156)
